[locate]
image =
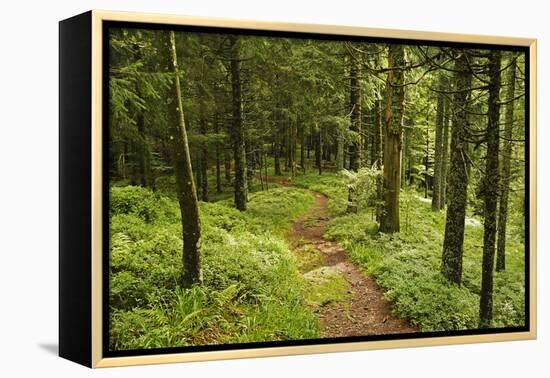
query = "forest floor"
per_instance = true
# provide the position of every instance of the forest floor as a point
(362, 309)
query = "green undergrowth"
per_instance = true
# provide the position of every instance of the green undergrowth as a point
(407, 264)
(307, 257)
(329, 184)
(166, 185)
(252, 291)
(327, 286)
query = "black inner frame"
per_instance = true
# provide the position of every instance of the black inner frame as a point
(107, 25)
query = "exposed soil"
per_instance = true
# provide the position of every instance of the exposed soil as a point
(366, 312)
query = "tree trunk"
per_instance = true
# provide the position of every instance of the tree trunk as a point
(261, 162)
(405, 155)
(505, 173)
(239, 154)
(250, 162)
(143, 154)
(265, 171)
(437, 182)
(490, 192)
(196, 165)
(302, 149)
(277, 154)
(191, 230)
(393, 122)
(292, 147)
(142, 151)
(203, 156)
(287, 145)
(218, 160)
(426, 161)
(227, 164)
(355, 110)
(340, 154)
(376, 155)
(319, 151)
(451, 259)
(376, 151)
(326, 152)
(444, 156)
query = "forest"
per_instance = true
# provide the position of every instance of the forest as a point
(278, 187)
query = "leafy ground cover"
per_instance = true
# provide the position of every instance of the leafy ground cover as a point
(253, 290)
(407, 264)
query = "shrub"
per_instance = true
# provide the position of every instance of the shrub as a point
(407, 266)
(328, 184)
(141, 202)
(252, 288)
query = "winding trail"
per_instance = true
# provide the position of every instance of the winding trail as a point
(364, 310)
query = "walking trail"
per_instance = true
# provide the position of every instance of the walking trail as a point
(362, 309)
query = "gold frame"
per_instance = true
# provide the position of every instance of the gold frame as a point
(99, 16)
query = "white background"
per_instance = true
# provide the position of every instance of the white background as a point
(29, 174)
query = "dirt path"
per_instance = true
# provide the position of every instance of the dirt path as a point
(364, 310)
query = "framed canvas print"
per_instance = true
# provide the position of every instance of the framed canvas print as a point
(235, 189)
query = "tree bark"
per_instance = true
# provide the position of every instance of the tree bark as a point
(191, 230)
(204, 131)
(444, 156)
(340, 153)
(203, 162)
(287, 144)
(438, 158)
(292, 147)
(506, 164)
(451, 260)
(218, 160)
(196, 165)
(393, 122)
(277, 152)
(376, 155)
(405, 155)
(239, 154)
(490, 192)
(355, 111)
(227, 165)
(250, 162)
(302, 148)
(427, 162)
(143, 153)
(319, 151)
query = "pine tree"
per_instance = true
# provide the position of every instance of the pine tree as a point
(451, 259)
(393, 127)
(186, 193)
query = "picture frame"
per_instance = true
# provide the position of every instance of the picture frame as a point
(84, 190)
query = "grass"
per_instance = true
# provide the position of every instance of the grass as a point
(308, 258)
(407, 264)
(253, 290)
(331, 185)
(327, 286)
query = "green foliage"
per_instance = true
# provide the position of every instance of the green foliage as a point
(326, 286)
(252, 289)
(407, 265)
(328, 184)
(274, 209)
(141, 202)
(307, 257)
(295, 93)
(363, 184)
